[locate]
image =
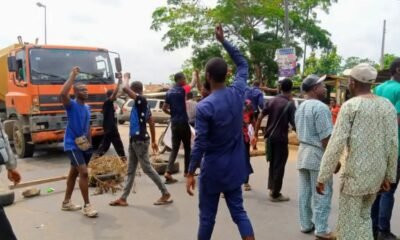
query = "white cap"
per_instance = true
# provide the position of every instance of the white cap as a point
(363, 72)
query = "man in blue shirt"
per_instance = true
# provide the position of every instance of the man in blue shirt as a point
(256, 96)
(219, 139)
(139, 142)
(314, 127)
(78, 126)
(175, 105)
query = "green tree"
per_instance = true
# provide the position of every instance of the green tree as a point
(350, 62)
(388, 59)
(328, 63)
(256, 25)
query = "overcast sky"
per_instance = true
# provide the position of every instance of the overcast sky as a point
(124, 26)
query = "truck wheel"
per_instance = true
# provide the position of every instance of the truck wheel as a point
(7, 198)
(121, 122)
(22, 143)
(162, 167)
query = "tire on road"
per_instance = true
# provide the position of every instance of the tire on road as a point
(121, 122)
(7, 198)
(162, 167)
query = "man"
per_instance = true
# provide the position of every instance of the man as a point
(280, 111)
(139, 145)
(110, 126)
(219, 139)
(367, 130)
(191, 108)
(383, 205)
(175, 105)
(78, 127)
(256, 96)
(314, 127)
(335, 108)
(9, 160)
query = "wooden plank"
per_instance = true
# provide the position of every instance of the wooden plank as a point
(37, 182)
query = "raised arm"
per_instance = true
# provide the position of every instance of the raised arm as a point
(242, 72)
(127, 89)
(116, 90)
(65, 99)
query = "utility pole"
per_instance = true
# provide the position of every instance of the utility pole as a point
(383, 46)
(286, 23)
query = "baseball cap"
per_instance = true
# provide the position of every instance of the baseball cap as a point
(363, 72)
(310, 81)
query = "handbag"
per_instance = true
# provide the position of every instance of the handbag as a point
(269, 145)
(82, 142)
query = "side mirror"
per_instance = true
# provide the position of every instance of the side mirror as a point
(118, 64)
(12, 64)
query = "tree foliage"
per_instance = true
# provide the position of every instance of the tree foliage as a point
(328, 63)
(256, 25)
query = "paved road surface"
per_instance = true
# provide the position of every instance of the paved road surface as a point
(41, 217)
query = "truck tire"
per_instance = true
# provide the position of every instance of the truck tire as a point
(121, 122)
(7, 198)
(22, 143)
(162, 167)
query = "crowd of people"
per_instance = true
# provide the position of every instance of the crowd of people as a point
(359, 139)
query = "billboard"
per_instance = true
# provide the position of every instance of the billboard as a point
(286, 60)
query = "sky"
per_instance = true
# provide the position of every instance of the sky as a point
(123, 26)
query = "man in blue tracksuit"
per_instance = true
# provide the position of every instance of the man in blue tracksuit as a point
(219, 138)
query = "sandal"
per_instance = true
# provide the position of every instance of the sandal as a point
(160, 202)
(247, 187)
(118, 203)
(170, 180)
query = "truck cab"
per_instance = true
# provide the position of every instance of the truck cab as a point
(30, 91)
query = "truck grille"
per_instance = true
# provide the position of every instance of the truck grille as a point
(45, 99)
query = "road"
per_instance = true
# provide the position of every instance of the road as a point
(41, 217)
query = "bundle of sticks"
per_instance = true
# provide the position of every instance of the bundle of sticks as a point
(107, 172)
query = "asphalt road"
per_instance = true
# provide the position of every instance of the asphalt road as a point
(41, 217)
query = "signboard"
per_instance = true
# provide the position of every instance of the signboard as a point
(286, 60)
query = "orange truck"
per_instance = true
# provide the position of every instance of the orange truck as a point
(31, 78)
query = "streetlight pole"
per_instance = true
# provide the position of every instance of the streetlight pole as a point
(39, 4)
(383, 46)
(286, 23)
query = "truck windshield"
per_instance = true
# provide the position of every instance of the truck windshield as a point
(52, 66)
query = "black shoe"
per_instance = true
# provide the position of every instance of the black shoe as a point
(386, 236)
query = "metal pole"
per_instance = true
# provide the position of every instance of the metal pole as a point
(45, 25)
(383, 46)
(286, 23)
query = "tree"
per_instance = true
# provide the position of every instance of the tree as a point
(350, 62)
(256, 25)
(328, 63)
(388, 59)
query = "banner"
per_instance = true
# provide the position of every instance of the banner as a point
(286, 60)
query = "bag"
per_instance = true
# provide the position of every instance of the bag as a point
(269, 147)
(83, 143)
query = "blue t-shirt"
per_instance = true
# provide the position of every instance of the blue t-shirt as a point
(140, 114)
(176, 99)
(256, 96)
(78, 124)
